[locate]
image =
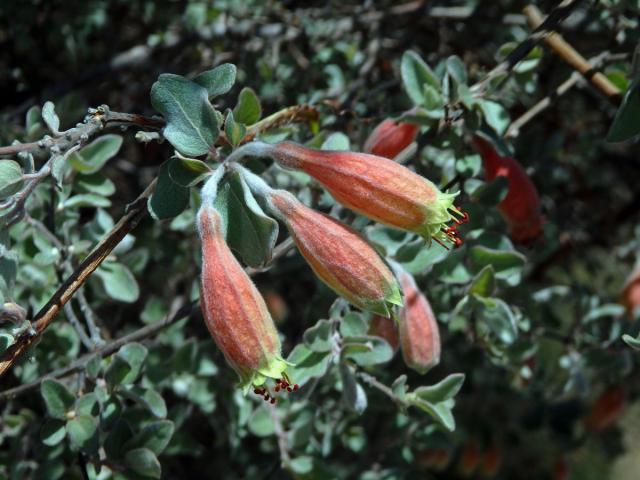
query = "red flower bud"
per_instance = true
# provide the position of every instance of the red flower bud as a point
(433, 458)
(338, 255)
(419, 334)
(606, 410)
(631, 293)
(521, 206)
(235, 313)
(491, 461)
(390, 138)
(469, 460)
(385, 328)
(561, 469)
(373, 186)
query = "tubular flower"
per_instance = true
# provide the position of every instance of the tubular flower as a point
(491, 461)
(390, 138)
(385, 328)
(631, 293)
(521, 206)
(236, 314)
(373, 186)
(419, 334)
(606, 410)
(338, 255)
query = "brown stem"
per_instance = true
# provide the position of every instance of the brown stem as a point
(139, 334)
(45, 316)
(99, 119)
(570, 55)
(135, 212)
(297, 113)
(105, 351)
(546, 28)
(547, 101)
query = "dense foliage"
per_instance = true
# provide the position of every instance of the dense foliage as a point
(533, 373)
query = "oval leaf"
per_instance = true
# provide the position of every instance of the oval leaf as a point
(192, 125)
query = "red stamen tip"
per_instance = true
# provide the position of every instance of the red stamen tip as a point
(295, 387)
(273, 401)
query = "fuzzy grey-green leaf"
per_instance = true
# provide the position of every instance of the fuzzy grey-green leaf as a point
(191, 123)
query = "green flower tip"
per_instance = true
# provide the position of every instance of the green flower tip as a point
(439, 213)
(273, 368)
(389, 306)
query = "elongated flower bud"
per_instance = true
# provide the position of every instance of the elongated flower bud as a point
(373, 186)
(631, 293)
(419, 334)
(338, 255)
(386, 328)
(521, 206)
(390, 138)
(236, 314)
(606, 410)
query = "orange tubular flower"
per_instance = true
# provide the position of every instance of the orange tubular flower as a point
(390, 138)
(631, 293)
(606, 410)
(521, 206)
(236, 314)
(419, 334)
(373, 186)
(338, 255)
(491, 461)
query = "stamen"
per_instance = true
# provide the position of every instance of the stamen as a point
(440, 243)
(452, 235)
(464, 216)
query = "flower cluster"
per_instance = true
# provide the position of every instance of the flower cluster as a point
(379, 188)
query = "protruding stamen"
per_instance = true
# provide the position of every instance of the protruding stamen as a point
(295, 387)
(452, 235)
(441, 243)
(464, 216)
(273, 401)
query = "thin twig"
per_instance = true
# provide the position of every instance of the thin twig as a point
(281, 435)
(89, 317)
(296, 113)
(570, 55)
(564, 87)
(142, 333)
(373, 382)
(557, 15)
(105, 351)
(17, 202)
(77, 326)
(96, 121)
(63, 294)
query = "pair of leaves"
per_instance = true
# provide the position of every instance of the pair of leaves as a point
(192, 124)
(126, 365)
(138, 452)
(437, 400)
(75, 419)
